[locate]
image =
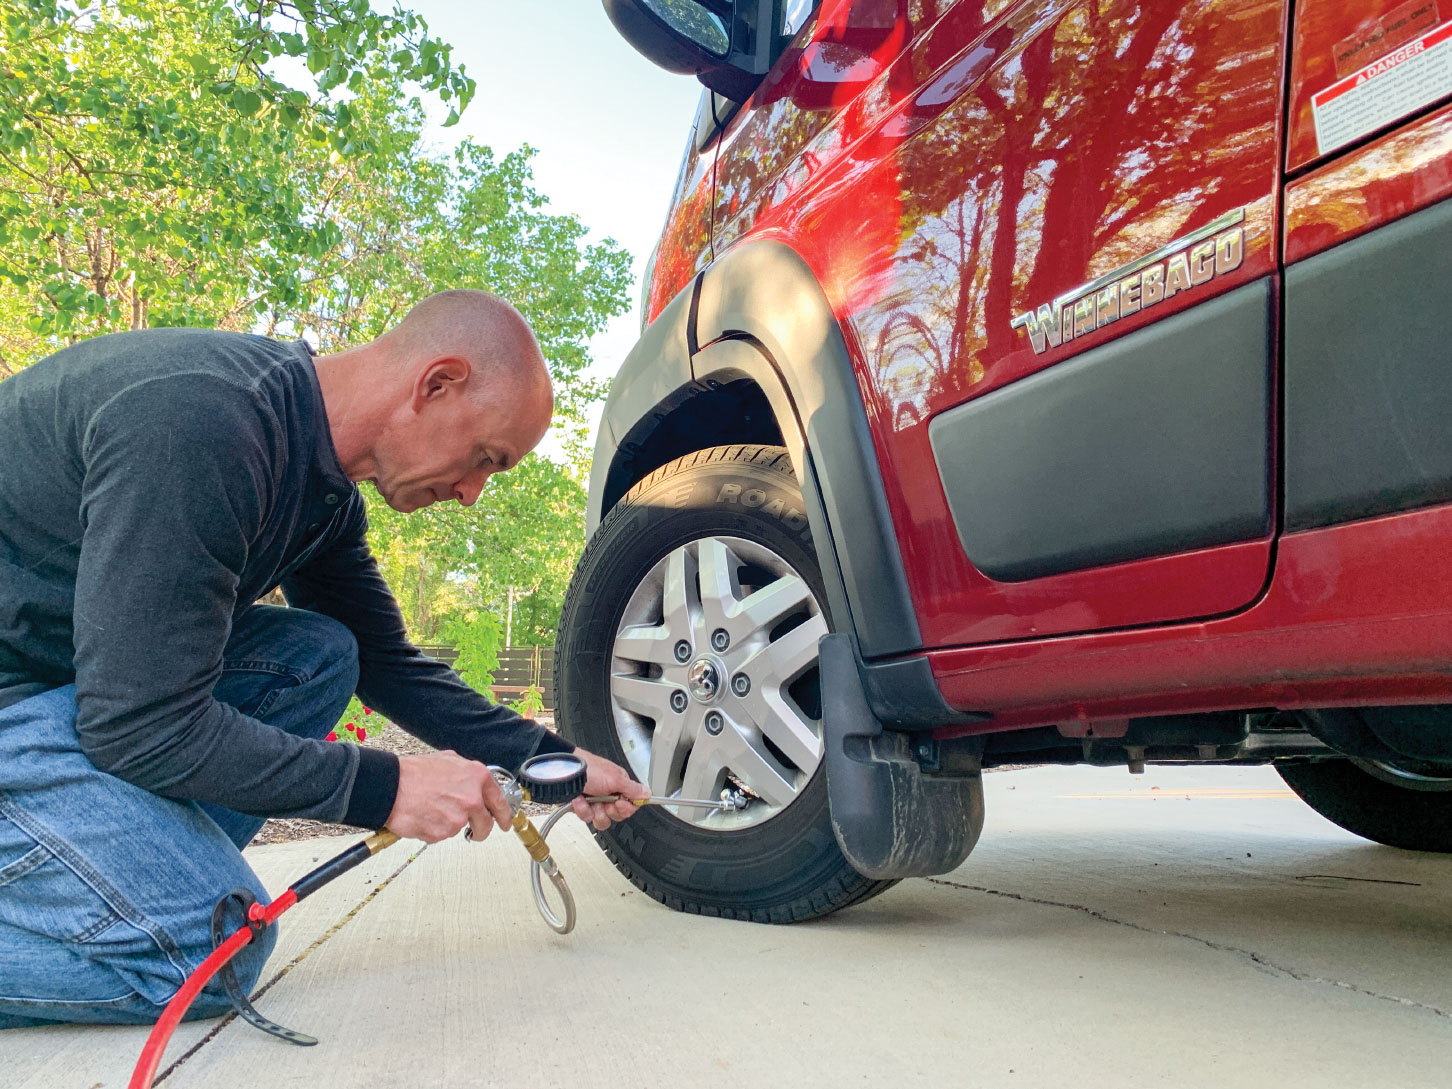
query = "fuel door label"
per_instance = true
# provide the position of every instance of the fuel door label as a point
(1402, 82)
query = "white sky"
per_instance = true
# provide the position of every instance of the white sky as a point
(608, 125)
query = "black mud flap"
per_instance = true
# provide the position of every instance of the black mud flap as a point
(890, 819)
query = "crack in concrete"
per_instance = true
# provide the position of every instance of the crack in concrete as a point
(289, 966)
(1256, 959)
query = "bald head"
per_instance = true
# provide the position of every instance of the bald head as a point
(454, 393)
(479, 328)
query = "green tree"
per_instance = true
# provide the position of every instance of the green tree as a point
(150, 154)
(521, 539)
(156, 168)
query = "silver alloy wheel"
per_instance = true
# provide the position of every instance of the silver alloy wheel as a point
(719, 712)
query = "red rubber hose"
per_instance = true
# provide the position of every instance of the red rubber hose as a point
(260, 917)
(145, 1071)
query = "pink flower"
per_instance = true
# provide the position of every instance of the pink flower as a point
(351, 726)
(362, 734)
(367, 710)
(332, 735)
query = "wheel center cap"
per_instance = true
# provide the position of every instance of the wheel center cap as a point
(703, 679)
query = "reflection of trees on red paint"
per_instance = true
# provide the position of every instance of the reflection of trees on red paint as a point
(1070, 148)
(1379, 182)
(937, 169)
(687, 235)
(800, 119)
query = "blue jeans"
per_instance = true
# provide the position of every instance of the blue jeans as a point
(106, 890)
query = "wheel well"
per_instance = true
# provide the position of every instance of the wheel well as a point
(702, 416)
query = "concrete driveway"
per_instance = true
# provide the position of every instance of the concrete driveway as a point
(1189, 927)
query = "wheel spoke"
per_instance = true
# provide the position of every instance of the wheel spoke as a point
(763, 608)
(719, 588)
(783, 725)
(645, 643)
(680, 578)
(793, 654)
(641, 695)
(666, 752)
(702, 775)
(760, 773)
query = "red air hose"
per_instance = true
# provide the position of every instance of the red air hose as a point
(145, 1072)
(259, 918)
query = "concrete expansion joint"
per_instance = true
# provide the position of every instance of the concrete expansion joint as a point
(1256, 959)
(227, 1019)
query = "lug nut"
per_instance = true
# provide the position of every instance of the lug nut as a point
(683, 651)
(741, 684)
(679, 701)
(715, 723)
(719, 639)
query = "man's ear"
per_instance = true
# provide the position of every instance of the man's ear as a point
(440, 379)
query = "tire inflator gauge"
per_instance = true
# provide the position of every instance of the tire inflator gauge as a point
(557, 779)
(548, 779)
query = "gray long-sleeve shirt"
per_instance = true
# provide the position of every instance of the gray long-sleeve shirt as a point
(152, 486)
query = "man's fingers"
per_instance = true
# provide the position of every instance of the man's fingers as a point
(622, 810)
(480, 827)
(592, 812)
(495, 802)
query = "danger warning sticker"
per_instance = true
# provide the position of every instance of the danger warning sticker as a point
(1395, 28)
(1403, 81)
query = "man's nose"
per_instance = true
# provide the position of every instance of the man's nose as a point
(469, 489)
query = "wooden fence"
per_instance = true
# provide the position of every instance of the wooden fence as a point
(520, 668)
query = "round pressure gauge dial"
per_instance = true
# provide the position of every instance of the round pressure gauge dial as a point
(553, 778)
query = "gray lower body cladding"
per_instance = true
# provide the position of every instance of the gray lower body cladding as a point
(1155, 443)
(1368, 382)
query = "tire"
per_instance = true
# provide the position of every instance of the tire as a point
(1365, 798)
(650, 580)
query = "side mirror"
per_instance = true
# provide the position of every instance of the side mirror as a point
(723, 43)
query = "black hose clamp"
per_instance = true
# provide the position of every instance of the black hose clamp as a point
(246, 900)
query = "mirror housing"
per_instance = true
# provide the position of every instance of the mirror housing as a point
(747, 24)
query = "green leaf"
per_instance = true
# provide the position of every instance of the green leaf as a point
(247, 103)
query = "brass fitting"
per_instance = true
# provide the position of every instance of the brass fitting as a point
(533, 842)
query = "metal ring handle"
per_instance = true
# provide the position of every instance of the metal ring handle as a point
(558, 925)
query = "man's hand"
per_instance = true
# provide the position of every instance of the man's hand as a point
(604, 777)
(441, 792)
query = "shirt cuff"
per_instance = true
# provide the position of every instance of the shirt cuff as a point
(375, 789)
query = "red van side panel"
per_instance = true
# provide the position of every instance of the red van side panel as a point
(960, 173)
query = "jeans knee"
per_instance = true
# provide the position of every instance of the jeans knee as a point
(333, 654)
(340, 653)
(253, 958)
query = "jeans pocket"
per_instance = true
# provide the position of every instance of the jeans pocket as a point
(39, 893)
(253, 686)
